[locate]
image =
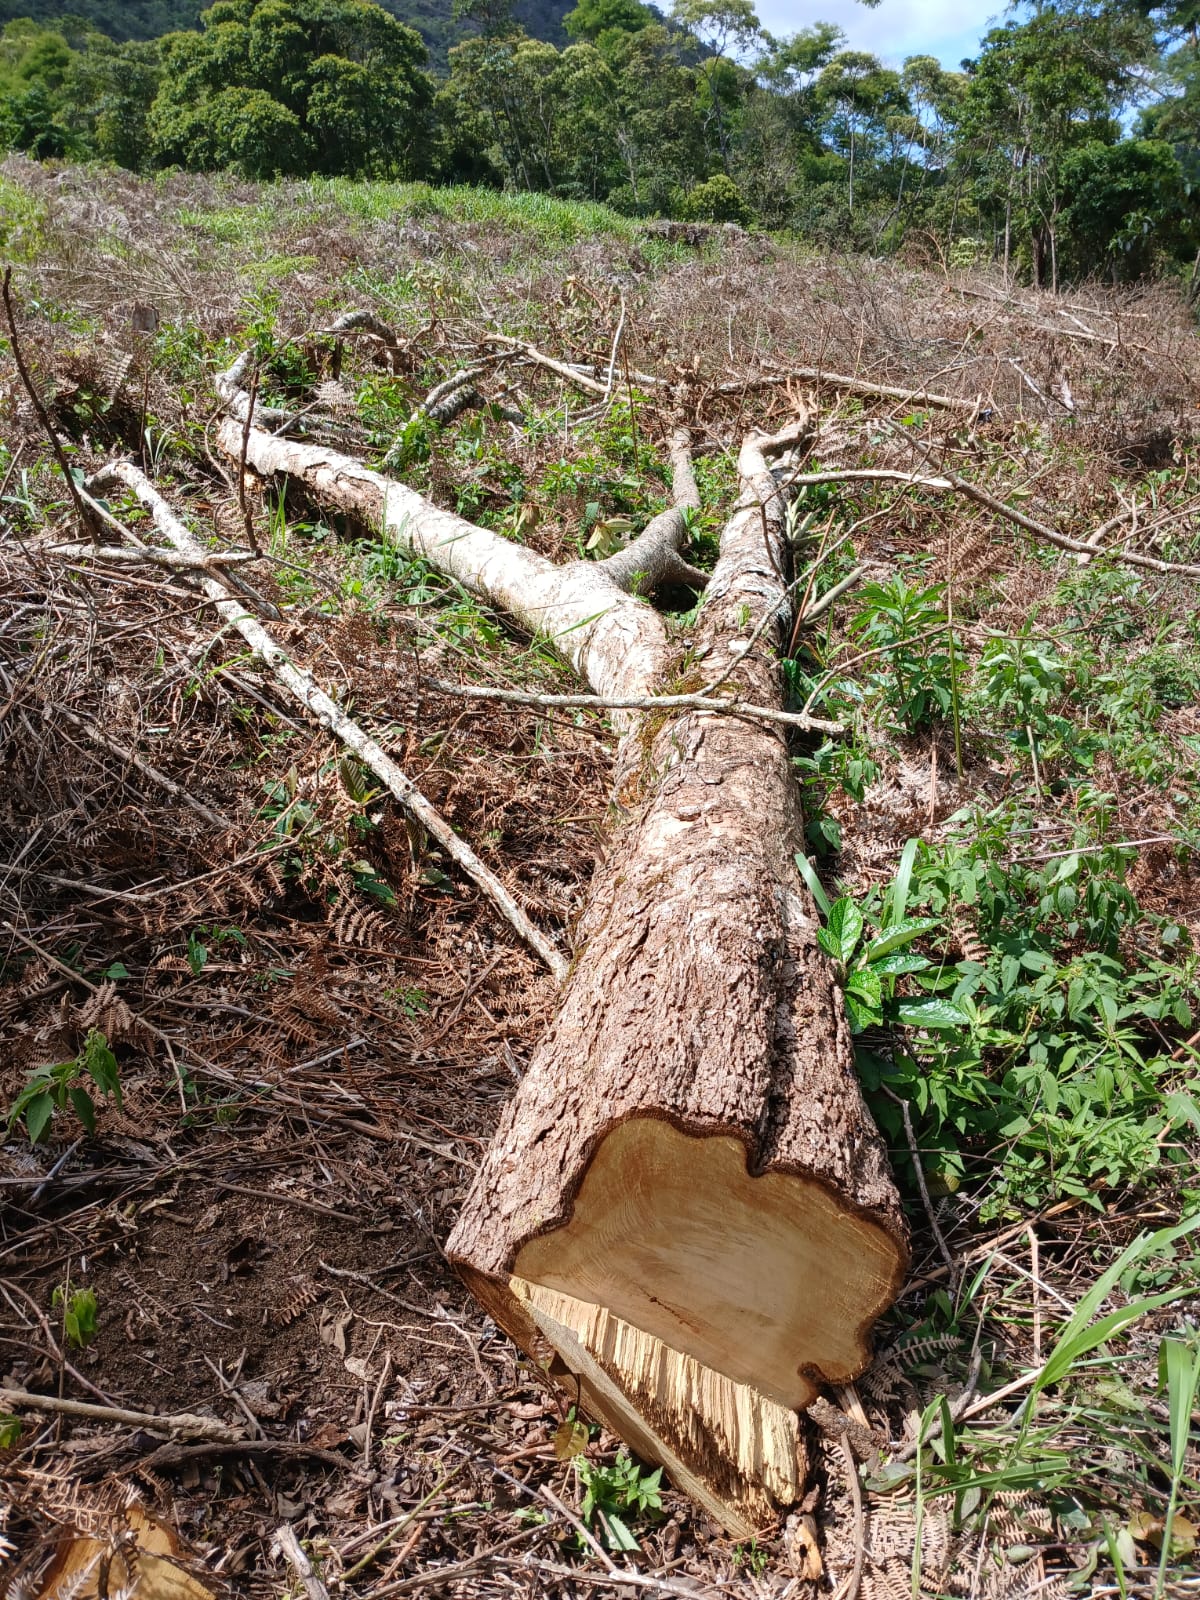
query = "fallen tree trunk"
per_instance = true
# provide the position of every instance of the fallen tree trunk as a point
(609, 637)
(686, 1212)
(686, 1198)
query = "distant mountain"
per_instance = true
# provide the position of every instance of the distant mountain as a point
(146, 19)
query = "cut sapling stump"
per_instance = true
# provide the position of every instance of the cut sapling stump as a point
(687, 1208)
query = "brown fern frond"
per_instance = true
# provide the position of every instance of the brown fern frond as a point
(966, 934)
(366, 929)
(292, 1310)
(106, 1011)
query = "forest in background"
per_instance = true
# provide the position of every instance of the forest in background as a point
(1066, 149)
(434, 20)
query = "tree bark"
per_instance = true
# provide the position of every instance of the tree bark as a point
(686, 1199)
(611, 639)
(686, 1212)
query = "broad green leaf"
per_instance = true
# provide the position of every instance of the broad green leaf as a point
(38, 1113)
(845, 926)
(619, 1536)
(896, 935)
(102, 1064)
(931, 1014)
(861, 1016)
(79, 1319)
(865, 985)
(900, 961)
(85, 1110)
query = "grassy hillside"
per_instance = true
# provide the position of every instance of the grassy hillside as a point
(146, 19)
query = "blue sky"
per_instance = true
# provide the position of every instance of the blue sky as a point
(949, 29)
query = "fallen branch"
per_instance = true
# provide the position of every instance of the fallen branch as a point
(852, 385)
(652, 559)
(288, 1546)
(607, 636)
(302, 686)
(689, 1151)
(564, 370)
(652, 702)
(361, 322)
(119, 556)
(178, 1425)
(950, 483)
(243, 404)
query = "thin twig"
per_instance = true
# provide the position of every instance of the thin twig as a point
(962, 1409)
(653, 702)
(179, 1424)
(919, 1169)
(849, 1590)
(852, 385)
(301, 684)
(288, 1546)
(43, 416)
(561, 368)
(951, 483)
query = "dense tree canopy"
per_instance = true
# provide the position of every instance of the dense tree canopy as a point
(329, 86)
(1070, 145)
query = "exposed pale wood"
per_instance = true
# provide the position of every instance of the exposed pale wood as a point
(671, 1409)
(288, 1546)
(769, 1279)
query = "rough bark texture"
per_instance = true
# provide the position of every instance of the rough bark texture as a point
(701, 1000)
(700, 994)
(686, 1205)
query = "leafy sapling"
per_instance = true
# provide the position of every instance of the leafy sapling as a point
(52, 1089)
(870, 960)
(616, 1495)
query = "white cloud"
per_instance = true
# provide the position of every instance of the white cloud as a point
(949, 29)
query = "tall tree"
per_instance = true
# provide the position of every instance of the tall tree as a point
(331, 86)
(1038, 90)
(859, 95)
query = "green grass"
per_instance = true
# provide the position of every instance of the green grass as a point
(22, 219)
(551, 221)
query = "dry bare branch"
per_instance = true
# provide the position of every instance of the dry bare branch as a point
(302, 686)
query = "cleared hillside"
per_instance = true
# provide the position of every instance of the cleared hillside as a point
(317, 1019)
